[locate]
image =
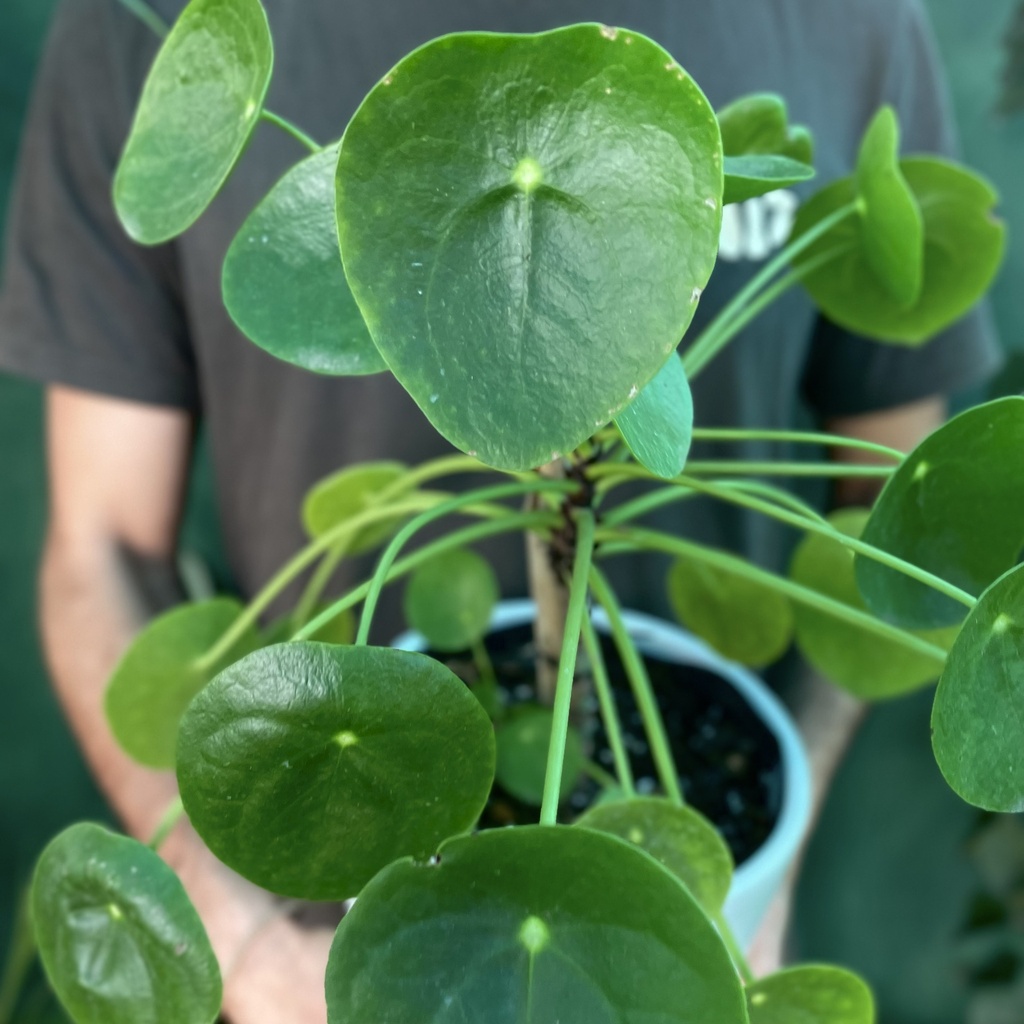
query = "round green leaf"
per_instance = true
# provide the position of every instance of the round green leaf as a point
(742, 619)
(759, 124)
(157, 676)
(307, 767)
(658, 424)
(963, 246)
(532, 924)
(954, 508)
(523, 742)
(869, 666)
(449, 599)
(812, 994)
(892, 231)
(117, 935)
(283, 281)
(347, 493)
(202, 100)
(977, 721)
(527, 257)
(756, 174)
(679, 838)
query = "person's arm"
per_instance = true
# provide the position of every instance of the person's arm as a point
(118, 472)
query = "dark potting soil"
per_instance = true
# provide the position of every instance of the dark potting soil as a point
(729, 762)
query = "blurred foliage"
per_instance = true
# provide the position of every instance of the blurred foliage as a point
(1012, 99)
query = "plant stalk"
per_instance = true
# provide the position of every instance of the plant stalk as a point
(21, 952)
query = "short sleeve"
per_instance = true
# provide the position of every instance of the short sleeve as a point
(80, 303)
(846, 374)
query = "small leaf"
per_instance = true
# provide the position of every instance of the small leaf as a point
(977, 722)
(536, 923)
(867, 665)
(756, 174)
(202, 100)
(283, 281)
(892, 231)
(658, 425)
(682, 840)
(117, 935)
(963, 246)
(450, 599)
(811, 994)
(953, 508)
(522, 744)
(527, 256)
(347, 493)
(158, 676)
(743, 620)
(307, 767)
(759, 124)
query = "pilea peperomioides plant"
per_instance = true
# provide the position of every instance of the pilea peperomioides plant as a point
(526, 225)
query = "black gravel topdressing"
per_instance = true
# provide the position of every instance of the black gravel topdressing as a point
(728, 761)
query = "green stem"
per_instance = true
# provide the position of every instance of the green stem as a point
(708, 467)
(483, 663)
(319, 580)
(716, 434)
(643, 693)
(654, 540)
(604, 779)
(21, 952)
(567, 664)
(165, 826)
(446, 465)
(705, 346)
(293, 130)
(609, 712)
(519, 522)
(148, 17)
(743, 967)
(478, 497)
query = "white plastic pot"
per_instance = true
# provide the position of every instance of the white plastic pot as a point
(758, 879)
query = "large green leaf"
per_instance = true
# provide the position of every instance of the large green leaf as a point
(522, 742)
(527, 256)
(755, 174)
(811, 994)
(892, 231)
(307, 767)
(119, 939)
(345, 494)
(954, 508)
(867, 665)
(963, 246)
(450, 599)
(531, 925)
(759, 124)
(283, 281)
(200, 104)
(658, 424)
(158, 675)
(741, 618)
(681, 839)
(978, 715)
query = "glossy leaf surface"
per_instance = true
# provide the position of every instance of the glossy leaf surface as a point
(308, 767)
(119, 939)
(811, 994)
(759, 124)
(892, 231)
(869, 666)
(742, 619)
(977, 719)
(953, 508)
(200, 104)
(522, 742)
(450, 599)
(679, 838)
(345, 494)
(158, 676)
(963, 246)
(527, 256)
(755, 174)
(283, 281)
(658, 424)
(528, 926)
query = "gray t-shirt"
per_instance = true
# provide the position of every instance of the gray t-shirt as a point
(82, 306)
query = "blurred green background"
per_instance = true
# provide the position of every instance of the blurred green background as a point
(886, 889)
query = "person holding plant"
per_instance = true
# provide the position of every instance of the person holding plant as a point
(136, 348)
